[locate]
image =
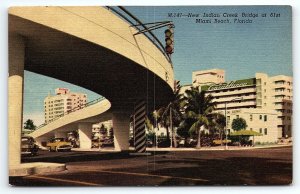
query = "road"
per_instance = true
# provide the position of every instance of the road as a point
(272, 166)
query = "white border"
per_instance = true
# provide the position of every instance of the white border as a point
(112, 190)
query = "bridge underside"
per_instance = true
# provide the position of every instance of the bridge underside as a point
(65, 57)
(103, 56)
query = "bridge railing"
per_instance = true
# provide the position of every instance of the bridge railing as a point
(72, 110)
(131, 19)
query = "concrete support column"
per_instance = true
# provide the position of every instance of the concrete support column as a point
(121, 130)
(85, 135)
(15, 97)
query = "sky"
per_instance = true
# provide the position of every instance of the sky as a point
(241, 50)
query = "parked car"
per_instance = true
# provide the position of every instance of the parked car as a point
(107, 142)
(149, 143)
(181, 142)
(190, 143)
(163, 143)
(59, 144)
(218, 142)
(28, 146)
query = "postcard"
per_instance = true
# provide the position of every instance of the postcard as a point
(150, 95)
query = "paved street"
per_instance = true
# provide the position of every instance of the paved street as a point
(233, 167)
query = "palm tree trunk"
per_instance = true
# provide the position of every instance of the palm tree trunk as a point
(168, 133)
(221, 137)
(174, 139)
(199, 138)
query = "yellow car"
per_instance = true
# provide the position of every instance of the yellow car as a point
(217, 142)
(59, 144)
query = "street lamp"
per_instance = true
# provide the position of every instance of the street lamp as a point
(156, 128)
(226, 130)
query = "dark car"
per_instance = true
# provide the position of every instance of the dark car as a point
(28, 146)
(149, 143)
(107, 142)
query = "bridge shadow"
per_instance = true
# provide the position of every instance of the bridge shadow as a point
(184, 170)
(229, 171)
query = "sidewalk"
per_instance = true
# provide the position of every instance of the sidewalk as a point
(110, 150)
(217, 148)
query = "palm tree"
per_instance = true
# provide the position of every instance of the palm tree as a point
(198, 108)
(171, 115)
(217, 124)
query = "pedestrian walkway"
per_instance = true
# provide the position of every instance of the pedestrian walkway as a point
(110, 150)
(168, 149)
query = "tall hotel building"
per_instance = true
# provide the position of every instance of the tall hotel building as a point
(264, 102)
(64, 101)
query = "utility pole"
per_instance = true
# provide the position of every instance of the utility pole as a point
(171, 126)
(226, 146)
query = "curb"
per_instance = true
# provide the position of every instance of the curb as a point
(26, 169)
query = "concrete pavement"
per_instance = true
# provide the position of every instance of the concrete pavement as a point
(216, 167)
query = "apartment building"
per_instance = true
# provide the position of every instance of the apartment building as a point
(253, 99)
(63, 101)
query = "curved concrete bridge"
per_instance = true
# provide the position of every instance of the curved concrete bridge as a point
(81, 120)
(90, 47)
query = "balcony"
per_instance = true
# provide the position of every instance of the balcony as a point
(228, 99)
(236, 104)
(235, 92)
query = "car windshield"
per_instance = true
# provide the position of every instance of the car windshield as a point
(58, 139)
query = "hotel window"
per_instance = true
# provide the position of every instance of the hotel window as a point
(251, 117)
(237, 116)
(260, 130)
(260, 117)
(265, 118)
(266, 131)
(251, 129)
(265, 83)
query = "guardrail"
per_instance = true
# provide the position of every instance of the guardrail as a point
(137, 24)
(72, 110)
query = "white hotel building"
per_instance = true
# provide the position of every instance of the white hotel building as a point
(264, 102)
(62, 102)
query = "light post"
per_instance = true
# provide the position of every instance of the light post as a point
(226, 147)
(226, 130)
(171, 126)
(156, 129)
